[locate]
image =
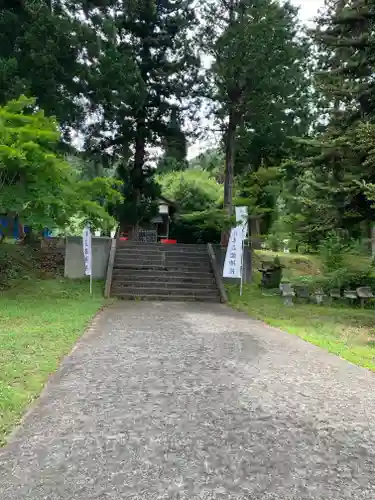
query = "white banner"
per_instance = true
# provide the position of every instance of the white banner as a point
(241, 218)
(87, 250)
(233, 259)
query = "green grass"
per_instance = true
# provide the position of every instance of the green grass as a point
(39, 323)
(295, 265)
(346, 331)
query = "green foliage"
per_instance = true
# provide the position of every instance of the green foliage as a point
(331, 183)
(344, 278)
(350, 279)
(175, 147)
(260, 80)
(171, 164)
(212, 161)
(35, 183)
(140, 197)
(259, 190)
(199, 201)
(147, 68)
(332, 251)
(260, 57)
(128, 73)
(17, 262)
(193, 190)
(41, 56)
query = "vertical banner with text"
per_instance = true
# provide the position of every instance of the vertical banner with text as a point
(87, 250)
(234, 257)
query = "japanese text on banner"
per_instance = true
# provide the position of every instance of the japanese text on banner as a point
(87, 251)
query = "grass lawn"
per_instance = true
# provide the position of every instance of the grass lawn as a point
(346, 331)
(39, 323)
(297, 265)
(294, 264)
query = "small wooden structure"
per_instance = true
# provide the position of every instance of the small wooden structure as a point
(157, 229)
(161, 221)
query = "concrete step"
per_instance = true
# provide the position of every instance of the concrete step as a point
(176, 267)
(122, 283)
(161, 255)
(153, 289)
(146, 277)
(167, 297)
(161, 247)
(137, 261)
(162, 274)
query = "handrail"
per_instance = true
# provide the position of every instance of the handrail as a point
(111, 262)
(217, 274)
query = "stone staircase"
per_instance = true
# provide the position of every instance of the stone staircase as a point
(163, 272)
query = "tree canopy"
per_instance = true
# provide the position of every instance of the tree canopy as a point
(199, 201)
(330, 179)
(292, 112)
(260, 81)
(38, 185)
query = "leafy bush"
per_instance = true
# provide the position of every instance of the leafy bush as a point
(36, 183)
(351, 279)
(199, 198)
(17, 262)
(313, 283)
(274, 242)
(332, 251)
(344, 279)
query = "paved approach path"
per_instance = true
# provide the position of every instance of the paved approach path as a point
(195, 401)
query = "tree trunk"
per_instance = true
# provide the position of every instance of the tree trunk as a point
(373, 240)
(139, 160)
(229, 171)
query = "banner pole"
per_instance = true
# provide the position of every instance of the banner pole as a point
(242, 264)
(87, 253)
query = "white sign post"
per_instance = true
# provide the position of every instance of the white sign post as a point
(234, 259)
(232, 265)
(87, 253)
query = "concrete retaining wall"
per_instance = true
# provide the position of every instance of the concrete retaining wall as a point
(74, 265)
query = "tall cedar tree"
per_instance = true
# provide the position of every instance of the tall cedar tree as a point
(341, 160)
(43, 53)
(150, 40)
(175, 147)
(260, 78)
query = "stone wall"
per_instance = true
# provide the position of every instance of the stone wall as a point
(53, 255)
(74, 264)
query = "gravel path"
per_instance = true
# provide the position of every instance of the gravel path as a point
(195, 401)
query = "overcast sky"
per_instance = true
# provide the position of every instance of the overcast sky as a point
(309, 8)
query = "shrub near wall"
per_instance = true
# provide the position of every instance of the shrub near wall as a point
(18, 262)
